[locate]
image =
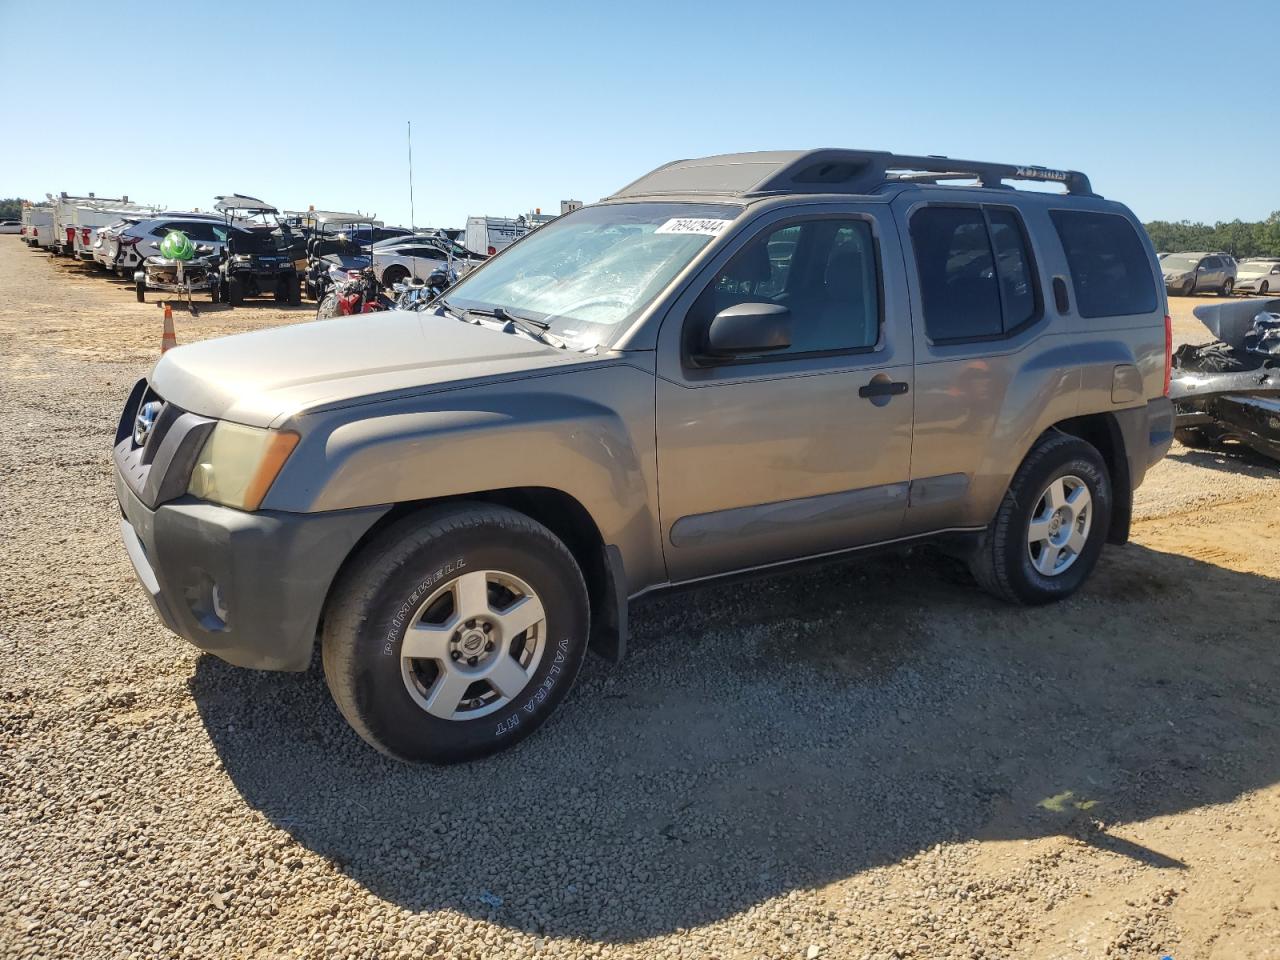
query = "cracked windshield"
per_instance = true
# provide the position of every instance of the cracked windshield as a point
(590, 273)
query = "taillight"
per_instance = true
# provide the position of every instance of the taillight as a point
(35, 231)
(492, 251)
(1168, 353)
(84, 236)
(71, 236)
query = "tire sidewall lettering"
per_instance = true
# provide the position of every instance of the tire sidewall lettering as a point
(399, 621)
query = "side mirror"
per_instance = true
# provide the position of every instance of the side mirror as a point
(749, 328)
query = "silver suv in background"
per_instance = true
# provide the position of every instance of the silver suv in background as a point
(125, 249)
(1190, 273)
(731, 365)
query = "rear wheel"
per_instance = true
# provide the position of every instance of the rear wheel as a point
(1048, 533)
(1228, 285)
(394, 274)
(235, 291)
(140, 287)
(455, 633)
(295, 290)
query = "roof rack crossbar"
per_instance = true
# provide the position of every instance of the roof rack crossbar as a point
(875, 168)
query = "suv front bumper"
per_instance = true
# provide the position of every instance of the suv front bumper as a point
(246, 587)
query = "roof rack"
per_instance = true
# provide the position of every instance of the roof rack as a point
(832, 171)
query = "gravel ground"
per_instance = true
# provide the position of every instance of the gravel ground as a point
(870, 760)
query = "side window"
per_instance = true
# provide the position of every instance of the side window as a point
(1013, 266)
(824, 271)
(200, 232)
(1110, 272)
(1211, 263)
(957, 282)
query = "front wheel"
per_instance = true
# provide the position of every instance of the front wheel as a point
(235, 291)
(455, 633)
(1049, 530)
(1188, 288)
(327, 308)
(140, 288)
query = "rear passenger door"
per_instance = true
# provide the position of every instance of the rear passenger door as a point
(799, 451)
(984, 362)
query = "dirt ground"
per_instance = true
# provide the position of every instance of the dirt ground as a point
(871, 760)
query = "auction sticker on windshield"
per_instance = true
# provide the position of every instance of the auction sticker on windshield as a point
(702, 226)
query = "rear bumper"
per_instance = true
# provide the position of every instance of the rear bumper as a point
(246, 587)
(1148, 435)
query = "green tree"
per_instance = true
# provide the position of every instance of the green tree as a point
(10, 208)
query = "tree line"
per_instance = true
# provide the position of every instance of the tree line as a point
(1238, 238)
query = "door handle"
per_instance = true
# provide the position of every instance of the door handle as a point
(883, 388)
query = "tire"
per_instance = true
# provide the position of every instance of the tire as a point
(140, 287)
(424, 569)
(1197, 438)
(1263, 288)
(1188, 288)
(1004, 563)
(328, 307)
(295, 290)
(1228, 286)
(235, 291)
(282, 291)
(393, 275)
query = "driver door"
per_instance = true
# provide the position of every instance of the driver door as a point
(800, 451)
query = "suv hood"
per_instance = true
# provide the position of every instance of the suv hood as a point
(261, 378)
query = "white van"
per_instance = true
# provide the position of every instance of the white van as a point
(488, 235)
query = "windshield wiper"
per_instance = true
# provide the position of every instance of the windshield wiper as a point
(534, 328)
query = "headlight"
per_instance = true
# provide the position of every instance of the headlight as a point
(238, 464)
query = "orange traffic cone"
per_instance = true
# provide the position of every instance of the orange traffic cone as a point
(168, 339)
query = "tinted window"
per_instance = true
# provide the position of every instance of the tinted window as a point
(1211, 263)
(1109, 268)
(1013, 265)
(824, 271)
(958, 289)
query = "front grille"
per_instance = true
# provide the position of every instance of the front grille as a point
(158, 468)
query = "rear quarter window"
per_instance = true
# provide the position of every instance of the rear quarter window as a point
(1110, 272)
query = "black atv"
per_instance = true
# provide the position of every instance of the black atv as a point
(255, 264)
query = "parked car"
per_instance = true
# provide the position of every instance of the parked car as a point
(11, 226)
(1188, 273)
(418, 257)
(731, 365)
(90, 218)
(1258, 275)
(106, 242)
(125, 250)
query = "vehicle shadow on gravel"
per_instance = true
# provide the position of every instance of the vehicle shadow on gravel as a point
(782, 734)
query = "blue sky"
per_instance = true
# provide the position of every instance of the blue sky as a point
(519, 105)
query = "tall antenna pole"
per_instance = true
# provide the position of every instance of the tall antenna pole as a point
(412, 220)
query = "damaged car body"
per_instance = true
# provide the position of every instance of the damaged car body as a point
(1230, 389)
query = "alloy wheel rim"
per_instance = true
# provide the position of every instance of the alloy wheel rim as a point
(1059, 526)
(473, 645)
